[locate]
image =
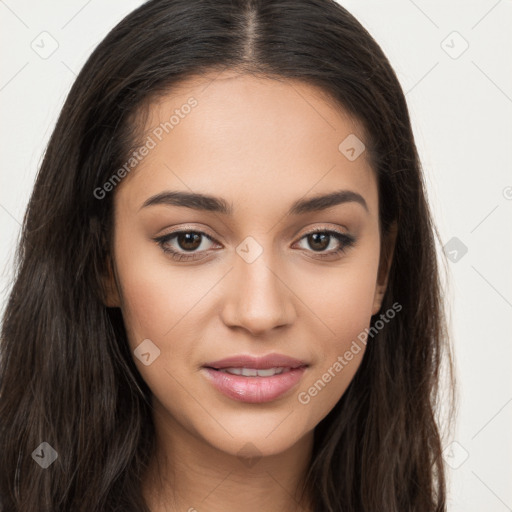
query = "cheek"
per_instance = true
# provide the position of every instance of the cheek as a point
(162, 304)
(154, 298)
(155, 306)
(145, 300)
(339, 352)
(342, 297)
(344, 304)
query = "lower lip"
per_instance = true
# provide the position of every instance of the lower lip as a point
(254, 390)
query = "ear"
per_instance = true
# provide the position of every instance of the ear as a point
(110, 292)
(386, 258)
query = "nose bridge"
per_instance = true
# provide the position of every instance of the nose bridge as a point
(260, 300)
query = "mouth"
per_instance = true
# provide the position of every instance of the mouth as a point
(255, 380)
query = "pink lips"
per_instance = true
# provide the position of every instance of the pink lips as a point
(255, 389)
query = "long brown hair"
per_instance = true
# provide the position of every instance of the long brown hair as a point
(67, 376)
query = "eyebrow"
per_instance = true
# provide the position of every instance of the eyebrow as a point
(204, 202)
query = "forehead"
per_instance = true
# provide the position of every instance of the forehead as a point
(242, 137)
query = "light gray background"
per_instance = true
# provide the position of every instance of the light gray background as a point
(461, 108)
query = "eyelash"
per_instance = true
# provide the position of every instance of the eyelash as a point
(345, 240)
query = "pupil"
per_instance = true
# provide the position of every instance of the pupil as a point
(189, 241)
(323, 244)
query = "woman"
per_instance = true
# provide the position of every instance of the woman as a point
(227, 292)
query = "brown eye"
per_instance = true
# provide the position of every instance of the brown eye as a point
(188, 241)
(319, 240)
(177, 244)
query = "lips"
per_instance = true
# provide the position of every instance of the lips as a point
(251, 379)
(261, 363)
(254, 389)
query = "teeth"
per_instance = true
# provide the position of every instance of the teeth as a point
(253, 372)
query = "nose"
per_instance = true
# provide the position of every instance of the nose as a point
(258, 298)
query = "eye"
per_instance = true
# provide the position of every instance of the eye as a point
(320, 239)
(191, 241)
(188, 241)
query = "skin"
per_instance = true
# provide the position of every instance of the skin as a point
(260, 144)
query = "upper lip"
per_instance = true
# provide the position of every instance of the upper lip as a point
(262, 363)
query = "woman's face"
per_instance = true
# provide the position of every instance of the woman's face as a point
(252, 279)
